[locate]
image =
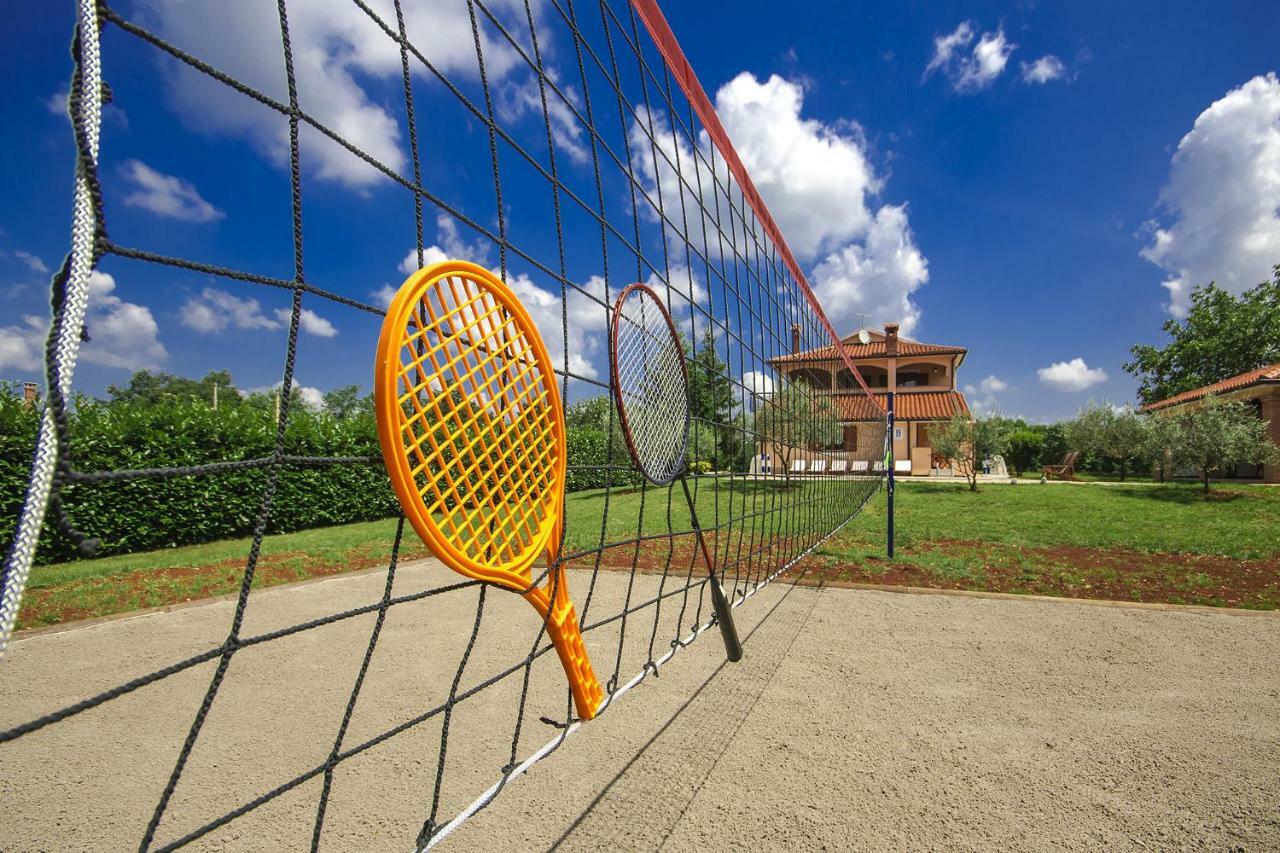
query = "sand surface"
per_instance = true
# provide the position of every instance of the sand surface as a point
(857, 719)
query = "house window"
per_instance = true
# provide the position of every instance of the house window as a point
(897, 433)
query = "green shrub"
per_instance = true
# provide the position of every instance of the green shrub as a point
(148, 513)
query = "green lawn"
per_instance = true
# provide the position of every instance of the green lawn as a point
(1235, 521)
(1139, 542)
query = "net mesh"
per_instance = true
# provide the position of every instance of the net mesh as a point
(601, 164)
(651, 385)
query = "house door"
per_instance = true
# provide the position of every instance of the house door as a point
(851, 438)
(922, 435)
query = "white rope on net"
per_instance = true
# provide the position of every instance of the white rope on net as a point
(67, 346)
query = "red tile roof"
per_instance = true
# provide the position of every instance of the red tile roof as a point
(874, 349)
(908, 406)
(1261, 376)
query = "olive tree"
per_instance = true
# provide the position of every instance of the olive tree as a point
(967, 441)
(1103, 431)
(1210, 437)
(794, 417)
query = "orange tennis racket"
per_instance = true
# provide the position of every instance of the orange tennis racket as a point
(472, 432)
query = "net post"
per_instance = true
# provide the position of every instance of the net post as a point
(890, 465)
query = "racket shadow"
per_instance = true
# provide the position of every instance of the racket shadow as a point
(626, 814)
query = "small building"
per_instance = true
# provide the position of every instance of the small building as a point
(923, 377)
(1259, 388)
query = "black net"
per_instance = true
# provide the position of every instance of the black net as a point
(601, 167)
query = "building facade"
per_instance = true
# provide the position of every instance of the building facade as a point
(922, 377)
(1259, 388)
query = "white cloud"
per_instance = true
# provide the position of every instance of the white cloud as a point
(121, 334)
(516, 99)
(312, 398)
(430, 255)
(1044, 69)
(34, 263)
(57, 105)
(215, 310)
(335, 46)
(982, 397)
(875, 277)
(588, 320)
(970, 70)
(22, 346)
(450, 244)
(310, 322)
(993, 385)
(757, 384)
(946, 49)
(167, 196)
(818, 183)
(383, 295)
(815, 177)
(1073, 375)
(1221, 196)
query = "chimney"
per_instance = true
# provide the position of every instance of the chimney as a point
(795, 338)
(30, 393)
(891, 339)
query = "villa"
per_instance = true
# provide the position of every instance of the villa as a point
(922, 377)
(1260, 388)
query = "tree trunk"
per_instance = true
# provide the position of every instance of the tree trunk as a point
(1205, 477)
(1122, 467)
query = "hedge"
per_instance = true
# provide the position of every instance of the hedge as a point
(145, 514)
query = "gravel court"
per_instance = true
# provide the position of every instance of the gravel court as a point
(858, 719)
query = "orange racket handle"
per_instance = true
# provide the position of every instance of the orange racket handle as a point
(566, 636)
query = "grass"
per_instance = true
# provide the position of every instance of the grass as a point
(1237, 521)
(1139, 542)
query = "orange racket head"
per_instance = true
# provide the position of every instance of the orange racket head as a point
(470, 422)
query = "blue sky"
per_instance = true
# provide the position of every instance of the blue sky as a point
(1020, 179)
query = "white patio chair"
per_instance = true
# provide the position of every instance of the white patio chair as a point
(859, 466)
(839, 466)
(819, 466)
(797, 466)
(902, 466)
(878, 467)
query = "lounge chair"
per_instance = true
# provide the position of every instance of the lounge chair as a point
(1065, 470)
(902, 466)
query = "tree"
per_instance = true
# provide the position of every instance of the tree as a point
(1026, 449)
(793, 418)
(712, 400)
(594, 460)
(1222, 336)
(345, 401)
(147, 386)
(1102, 431)
(1055, 442)
(967, 441)
(1210, 437)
